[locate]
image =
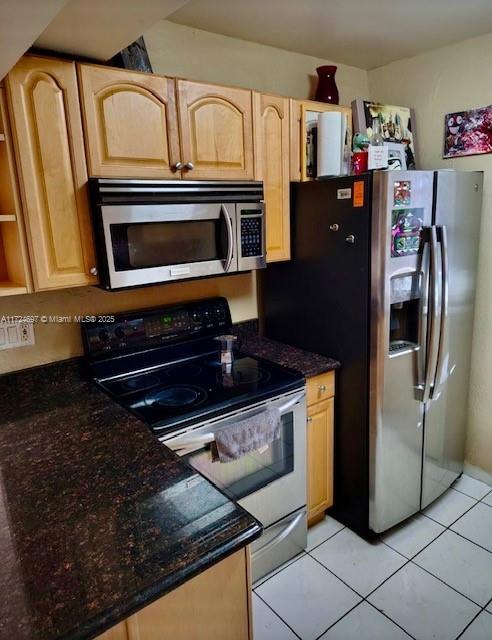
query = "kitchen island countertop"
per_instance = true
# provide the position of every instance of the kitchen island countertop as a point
(97, 518)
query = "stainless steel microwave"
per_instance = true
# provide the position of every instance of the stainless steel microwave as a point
(156, 231)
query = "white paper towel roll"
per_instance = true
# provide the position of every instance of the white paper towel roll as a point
(332, 151)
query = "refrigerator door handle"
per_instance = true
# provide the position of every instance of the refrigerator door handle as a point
(430, 366)
(443, 238)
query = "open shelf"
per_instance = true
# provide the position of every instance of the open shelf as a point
(15, 277)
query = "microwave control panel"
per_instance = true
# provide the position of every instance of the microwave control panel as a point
(251, 235)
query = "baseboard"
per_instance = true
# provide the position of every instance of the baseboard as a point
(477, 473)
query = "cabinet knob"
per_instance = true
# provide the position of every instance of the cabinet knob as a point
(309, 420)
(334, 227)
(189, 165)
(350, 239)
(93, 271)
(322, 388)
(178, 166)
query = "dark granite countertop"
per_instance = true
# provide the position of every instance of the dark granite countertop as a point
(307, 363)
(97, 518)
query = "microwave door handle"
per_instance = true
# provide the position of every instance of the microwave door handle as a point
(443, 237)
(230, 237)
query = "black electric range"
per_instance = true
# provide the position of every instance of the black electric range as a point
(164, 366)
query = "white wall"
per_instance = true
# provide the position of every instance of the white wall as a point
(442, 81)
(190, 53)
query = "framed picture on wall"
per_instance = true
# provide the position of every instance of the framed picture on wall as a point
(397, 125)
(468, 133)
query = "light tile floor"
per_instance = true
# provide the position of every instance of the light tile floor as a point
(428, 579)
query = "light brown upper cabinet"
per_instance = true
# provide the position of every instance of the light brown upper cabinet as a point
(304, 117)
(130, 123)
(49, 148)
(271, 126)
(216, 131)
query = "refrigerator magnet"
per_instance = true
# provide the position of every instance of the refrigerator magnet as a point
(402, 193)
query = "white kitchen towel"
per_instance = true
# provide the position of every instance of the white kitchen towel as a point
(247, 435)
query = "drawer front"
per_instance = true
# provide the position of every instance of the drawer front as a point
(320, 387)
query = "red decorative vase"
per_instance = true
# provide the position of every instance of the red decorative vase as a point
(327, 90)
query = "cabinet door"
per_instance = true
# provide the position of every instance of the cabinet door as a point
(320, 457)
(45, 116)
(271, 125)
(214, 605)
(216, 131)
(130, 123)
(119, 632)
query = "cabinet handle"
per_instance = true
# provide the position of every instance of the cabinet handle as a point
(350, 239)
(322, 388)
(189, 165)
(93, 271)
(178, 166)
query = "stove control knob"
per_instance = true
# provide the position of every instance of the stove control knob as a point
(196, 316)
(119, 333)
(104, 335)
(219, 312)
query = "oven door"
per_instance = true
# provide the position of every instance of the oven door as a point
(150, 243)
(269, 483)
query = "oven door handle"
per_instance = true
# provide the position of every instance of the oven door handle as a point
(184, 445)
(291, 402)
(230, 237)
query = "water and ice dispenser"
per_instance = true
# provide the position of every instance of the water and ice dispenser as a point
(405, 312)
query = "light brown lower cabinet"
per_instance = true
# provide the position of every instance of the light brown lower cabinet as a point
(320, 412)
(215, 605)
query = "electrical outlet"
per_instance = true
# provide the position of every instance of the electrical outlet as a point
(15, 333)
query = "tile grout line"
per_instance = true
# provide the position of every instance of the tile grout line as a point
(448, 527)
(278, 616)
(363, 598)
(325, 540)
(339, 619)
(337, 577)
(468, 540)
(301, 555)
(407, 561)
(467, 494)
(470, 623)
(276, 573)
(447, 585)
(383, 613)
(424, 547)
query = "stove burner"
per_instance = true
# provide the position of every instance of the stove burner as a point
(242, 375)
(183, 371)
(143, 381)
(176, 396)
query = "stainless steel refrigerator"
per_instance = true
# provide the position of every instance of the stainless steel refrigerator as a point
(382, 277)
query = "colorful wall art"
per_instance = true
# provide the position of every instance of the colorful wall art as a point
(468, 133)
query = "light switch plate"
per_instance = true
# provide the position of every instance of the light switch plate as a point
(16, 333)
